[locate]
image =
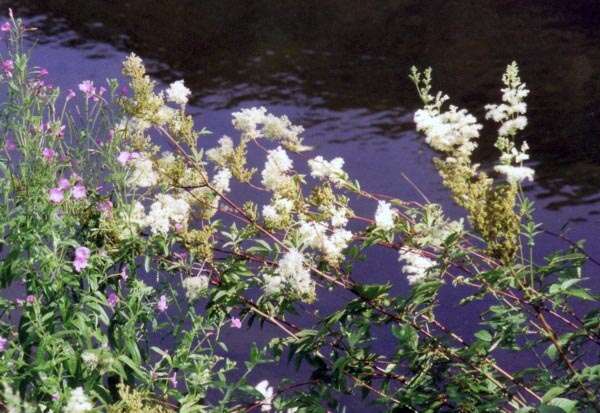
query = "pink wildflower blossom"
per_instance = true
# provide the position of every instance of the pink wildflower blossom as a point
(162, 304)
(30, 299)
(56, 195)
(173, 379)
(3, 343)
(82, 254)
(236, 322)
(8, 67)
(88, 88)
(78, 191)
(48, 154)
(63, 183)
(70, 94)
(112, 300)
(105, 206)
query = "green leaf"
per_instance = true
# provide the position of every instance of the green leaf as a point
(484, 335)
(569, 406)
(553, 392)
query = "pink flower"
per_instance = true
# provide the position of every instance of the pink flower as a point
(63, 183)
(162, 304)
(236, 322)
(8, 67)
(125, 157)
(78, 191)
(88, 88)
(30, 299)
(173, 379)
(124, 275)
(105, 206)
(112, 300)
(43, 71)
(56, 195)
(5, 27)
(48, 154)
(82, 254)
(3, 343)
(70, 94)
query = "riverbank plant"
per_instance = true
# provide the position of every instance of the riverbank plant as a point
(130, 251)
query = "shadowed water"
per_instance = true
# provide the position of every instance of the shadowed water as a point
(340, 69)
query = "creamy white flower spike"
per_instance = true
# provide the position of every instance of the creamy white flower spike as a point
(274, 176)
(78, 402)
(315, 235)
(247, 121)
(339, 217)
(90, 359)
(195, 286)
(515, 174)
(416, 267)
(143, 174)
(221, 153)
(167, 210)
(291, 269)
(178, 93)
(384, 216)
(279, 208)
(221, 180)
(328, 170)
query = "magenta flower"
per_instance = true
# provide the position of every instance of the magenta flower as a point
(48, 154)
(82, 254)
(78, 191)
(8, 67)
(173, 379)
(88, 88)
(105, 206)
(9, 144)
(70, 94)
(30, 299)
(125, 157)
(236, 322)
(56, 195)
(162, 304)
(112, 300)
(43, 71)
(5, 27)
(3, 343)
(63, 183)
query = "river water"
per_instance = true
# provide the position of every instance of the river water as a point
(340, 67)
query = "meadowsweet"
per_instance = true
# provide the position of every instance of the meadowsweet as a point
(143, 174)
(384, 216)
(416, 267)
(221, 180)
(248, 120)
(78, 191)
(87, 88)
(221, 153)
(78, 402)
(195, 286)
(82, 254)
(162, 304)
(166, 210)
(90, 359)
(339, 217)
(277, 210)
(336, 243)
(328, 170)
(56, 195)
(431, 228)
(515, 174)
(267, 393)
(294, 274)
(178, 93)
(280, 128)
(274, 175)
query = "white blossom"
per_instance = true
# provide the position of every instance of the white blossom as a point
(267, 392)
(339, 217)
(515, 174)
(221, 153)
(417, 267)
(167, 210)
(290, 273)
(248, 120)
(279, 208)
(143, 174)
(78, 402)
(335, 244)
(90, 359)
(384, 216)
(195, 286)
(274, 175)
(221, 180)
(330, 170)
(178, 93)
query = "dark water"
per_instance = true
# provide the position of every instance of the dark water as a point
(340, 69)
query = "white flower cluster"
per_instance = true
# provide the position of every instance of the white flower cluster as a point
(274, 175)
(178, 93)
(221, 180)
(167, 210)
(339, 217)
(143, 174)
(417, 267)
(384, 216)
(256, 123)
(515, 174)
(221, 153)
(328, 170)
(292, 274)
(90, 359)
(78, 402)
(315, 235)
(432, 229)
(278, 209)
(452, 131)
(510, 114)
(195, 286)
